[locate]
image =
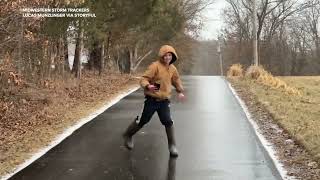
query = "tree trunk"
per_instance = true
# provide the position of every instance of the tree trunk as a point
(107, 59)
(50, 58)
(101, 67)
(131, 59)
(76, 60)
(66, 65)
(61, 57)
(94, 57)
(20, 46)
(78, 52)
(124, 60)
(317, 42)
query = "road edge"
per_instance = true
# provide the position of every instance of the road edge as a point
(265, 143)
(69, 131)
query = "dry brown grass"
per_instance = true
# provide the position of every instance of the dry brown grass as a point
(235, 70)
(254, 72)
(299, 115)
(260, 75)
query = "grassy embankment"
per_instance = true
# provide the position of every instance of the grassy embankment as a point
(294, 102)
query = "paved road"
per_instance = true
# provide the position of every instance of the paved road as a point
(214, 138)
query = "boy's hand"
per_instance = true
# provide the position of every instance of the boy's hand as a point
(152, 88)
(181, 97)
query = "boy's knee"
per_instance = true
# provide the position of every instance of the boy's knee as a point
(167, 123)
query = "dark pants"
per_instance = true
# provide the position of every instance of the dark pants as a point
(151, 105)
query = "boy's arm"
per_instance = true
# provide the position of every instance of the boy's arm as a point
(176, 82)
(148, 75)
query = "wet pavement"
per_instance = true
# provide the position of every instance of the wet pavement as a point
(215, 142)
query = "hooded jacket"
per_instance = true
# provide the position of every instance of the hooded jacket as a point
(159, 73)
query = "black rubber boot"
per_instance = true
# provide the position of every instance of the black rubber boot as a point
(171, 175)
(131, 130)
(171, 141)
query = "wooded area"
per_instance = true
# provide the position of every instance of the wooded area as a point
(287, 33)
(121, 36)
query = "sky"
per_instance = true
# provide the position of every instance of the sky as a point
(213, 21)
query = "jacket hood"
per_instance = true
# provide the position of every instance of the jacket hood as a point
(168, 49)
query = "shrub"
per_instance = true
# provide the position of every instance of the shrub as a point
(235, 70)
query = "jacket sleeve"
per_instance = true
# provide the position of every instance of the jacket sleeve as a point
(176, 81)
(148, 75)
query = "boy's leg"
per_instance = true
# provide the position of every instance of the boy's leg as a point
(148, 110)
(166, 120)
(130, 131)
(165, 114)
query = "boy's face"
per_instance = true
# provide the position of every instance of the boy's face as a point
(167, 58)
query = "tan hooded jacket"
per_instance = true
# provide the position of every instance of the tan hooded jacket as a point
(161, 74)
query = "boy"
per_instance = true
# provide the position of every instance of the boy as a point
(156, 82)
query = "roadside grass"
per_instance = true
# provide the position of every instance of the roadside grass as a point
(298, 114)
